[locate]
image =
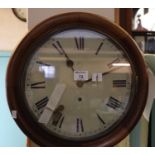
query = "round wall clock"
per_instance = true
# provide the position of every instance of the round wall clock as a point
(20, 13)
(77, 79)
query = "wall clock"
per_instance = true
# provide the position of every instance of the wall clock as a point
(77, 79)
(20, 13)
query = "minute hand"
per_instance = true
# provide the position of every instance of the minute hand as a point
(80, 83)
(103, 74)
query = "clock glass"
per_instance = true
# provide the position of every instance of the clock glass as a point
(78, 84)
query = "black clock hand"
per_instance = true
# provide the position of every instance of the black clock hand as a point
(60, 49)
(80, 83)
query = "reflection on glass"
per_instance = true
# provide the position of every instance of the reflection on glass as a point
(49, 71)
(120, 64)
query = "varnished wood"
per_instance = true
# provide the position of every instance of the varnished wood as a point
(123, 17)
(117, 16)
(24, 51)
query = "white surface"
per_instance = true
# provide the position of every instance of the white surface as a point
(80, 75)
(52, 103)
(78, 3)
(12, 30)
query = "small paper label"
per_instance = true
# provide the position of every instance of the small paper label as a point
(97, 77)
(80, 75)
(14, 114)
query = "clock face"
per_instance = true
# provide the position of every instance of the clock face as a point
(77, 80)
(78, 84)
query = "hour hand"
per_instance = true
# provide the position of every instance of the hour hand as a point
(52, 103)
(60, 49)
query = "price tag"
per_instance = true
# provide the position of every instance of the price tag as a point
(80, 75)
(14, 114)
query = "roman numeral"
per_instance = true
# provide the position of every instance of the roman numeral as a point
(79, 43)
(114, 61)
(114, 103)
(119, 83)
(42, 103)
(58, 47)
(38, 85)
(42, 63)
(100, 119)
(58, 119)
(79, 125)
(99, 48)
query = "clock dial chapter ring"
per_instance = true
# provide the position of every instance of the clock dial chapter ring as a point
(68, 127)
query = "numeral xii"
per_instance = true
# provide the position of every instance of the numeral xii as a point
(79, 43)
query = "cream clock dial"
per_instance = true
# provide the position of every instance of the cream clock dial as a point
(88, 110)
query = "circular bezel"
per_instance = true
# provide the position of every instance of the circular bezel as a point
(57, 24)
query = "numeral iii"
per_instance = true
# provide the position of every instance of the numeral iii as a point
(119, 83)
